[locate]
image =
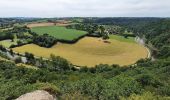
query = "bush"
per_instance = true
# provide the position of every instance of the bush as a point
(59, 64)
(44, 40)
(101, 89)
(146, 80)
(18, 60)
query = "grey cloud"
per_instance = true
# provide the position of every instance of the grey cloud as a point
(98, 8)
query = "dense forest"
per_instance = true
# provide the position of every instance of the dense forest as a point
(146, 80)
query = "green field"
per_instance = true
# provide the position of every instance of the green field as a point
(7, 43)
(59, 32)
(122, 39)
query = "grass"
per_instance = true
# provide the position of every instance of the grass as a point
(91, 51)
(59, 32)
(122, 39)
(7, 43)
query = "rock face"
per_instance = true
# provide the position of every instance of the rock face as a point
(37, 95)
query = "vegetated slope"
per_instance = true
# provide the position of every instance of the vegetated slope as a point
(157, 37)
(59, 32)
(128, 22)
(92, 51)
(102, 82)
(148, 80)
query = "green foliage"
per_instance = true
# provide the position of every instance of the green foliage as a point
(158, 35)
(145, 96)
(30, 58)
(145, 80)
(18, 60)
(5, 35)
(59, 63)
(101, 82)
(3, 48)
(113, 29)
(44, 40)
(102, 89)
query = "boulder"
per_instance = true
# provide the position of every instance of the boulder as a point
(37, 95)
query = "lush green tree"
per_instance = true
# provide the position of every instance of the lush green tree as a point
(18, 60)
(59, 63)
(45, 40)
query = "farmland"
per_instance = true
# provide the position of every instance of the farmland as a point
(40, 24)
(59, 32)
(28, 64)
(31, 25)
(91, 51)
(122, 39)
(7, 43)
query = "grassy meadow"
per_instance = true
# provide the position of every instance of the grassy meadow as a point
(122, 39)
(7, 43)
(59, 32)
(90, 51)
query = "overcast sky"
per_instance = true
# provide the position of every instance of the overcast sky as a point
(84, 8)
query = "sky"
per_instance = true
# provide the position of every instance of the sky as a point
(84, 8)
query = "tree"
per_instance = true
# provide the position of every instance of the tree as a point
(18, 60)
(29, 55)
(30, 58)
(11, 52)
(59, 63)
(105, 36)
(102, 29)
(44, 40)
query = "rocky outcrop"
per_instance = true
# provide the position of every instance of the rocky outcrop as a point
(37, 95)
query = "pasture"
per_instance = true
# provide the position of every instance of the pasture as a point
(122, 39)
(7, 43)
(59, 32)
(91, 51)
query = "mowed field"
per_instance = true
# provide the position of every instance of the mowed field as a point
(59, 32)
(91, 51)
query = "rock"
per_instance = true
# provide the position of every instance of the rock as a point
(37, 95)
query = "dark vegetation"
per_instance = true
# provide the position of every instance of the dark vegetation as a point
(93, 30)
(126, 22)
(5, 35)
(10, 22)
(159, 37)
(25, 36)
(44, 40)
(102, 82)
